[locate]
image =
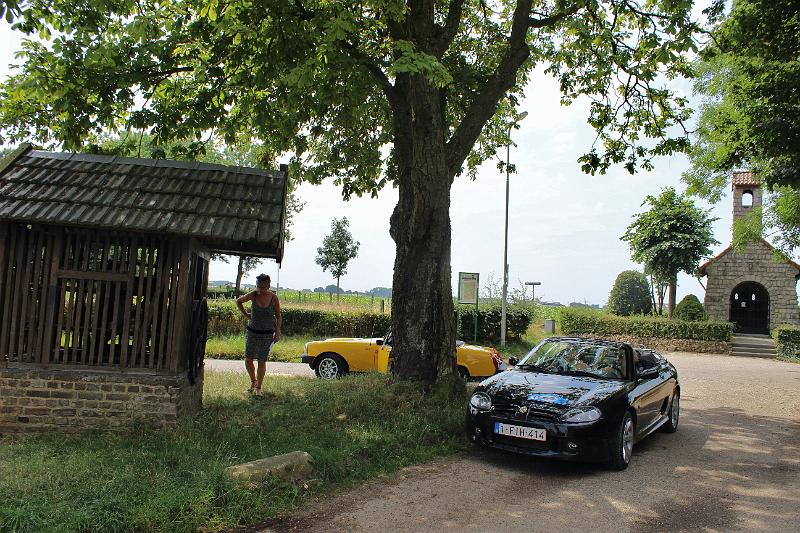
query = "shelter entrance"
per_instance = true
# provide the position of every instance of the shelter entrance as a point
(750, 308)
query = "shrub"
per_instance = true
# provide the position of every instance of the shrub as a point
(584, 322)
(630, 294)
(788, 342)
(690, 308)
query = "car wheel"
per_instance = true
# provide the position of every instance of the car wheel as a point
(330, 366)
(622, 450)
(674, 414)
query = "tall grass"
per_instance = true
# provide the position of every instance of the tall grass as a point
(173, 481)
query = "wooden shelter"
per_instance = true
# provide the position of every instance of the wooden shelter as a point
(103, 275)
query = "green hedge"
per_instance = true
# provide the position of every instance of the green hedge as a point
(787, 339)
(518, 319)
(224, 319)
(583, 322)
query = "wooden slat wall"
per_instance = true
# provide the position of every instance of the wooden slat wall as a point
(94, 299)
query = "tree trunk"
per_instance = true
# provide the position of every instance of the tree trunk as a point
(239, 271)
(673, 289)
(653, 295)
(337, 290)
(420, 226)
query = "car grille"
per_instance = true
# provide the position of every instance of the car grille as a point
(511, 410)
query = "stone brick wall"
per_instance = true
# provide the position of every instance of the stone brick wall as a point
(36, 400)
(671, 345)
(755, 264)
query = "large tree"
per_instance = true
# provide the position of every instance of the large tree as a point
(670, 237)
(750, 118)
(336, 83)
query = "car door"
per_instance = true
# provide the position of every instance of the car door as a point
(362, 355)
(647, 394)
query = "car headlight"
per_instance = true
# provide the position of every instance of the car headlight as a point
(583, 415)
(481, 401)
(305, 348)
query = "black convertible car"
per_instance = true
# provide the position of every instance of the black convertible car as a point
(578, 399)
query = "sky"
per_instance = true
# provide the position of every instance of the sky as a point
(564, 226)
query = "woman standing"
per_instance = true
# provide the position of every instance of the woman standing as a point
(263, 329)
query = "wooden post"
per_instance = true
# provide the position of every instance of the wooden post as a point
(383, 306)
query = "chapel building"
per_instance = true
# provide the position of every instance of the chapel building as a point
(751, 288)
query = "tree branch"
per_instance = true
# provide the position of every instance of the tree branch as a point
(500, 82)
(448, 33)
(378, 74)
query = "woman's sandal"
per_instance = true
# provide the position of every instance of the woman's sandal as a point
(258, 392)
(252, 388)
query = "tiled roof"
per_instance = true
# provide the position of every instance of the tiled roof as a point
(229, 209)
(745, 178)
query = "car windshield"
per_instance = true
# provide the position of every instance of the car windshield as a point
(577, 357)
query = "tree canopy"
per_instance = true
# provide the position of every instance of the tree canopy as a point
(749, 76)
(670, 237)
(412, 92)
(630, 294)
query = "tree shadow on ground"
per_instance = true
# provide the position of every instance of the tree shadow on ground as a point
(723, 469)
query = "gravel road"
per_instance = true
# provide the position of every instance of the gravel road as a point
(733, 465)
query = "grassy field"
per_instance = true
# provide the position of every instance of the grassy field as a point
(328, 301)
(356, 428)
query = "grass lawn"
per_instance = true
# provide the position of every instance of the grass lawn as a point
(232, 347)
(145, 480)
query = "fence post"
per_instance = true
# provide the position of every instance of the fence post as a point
(383, 306)
(330, 296)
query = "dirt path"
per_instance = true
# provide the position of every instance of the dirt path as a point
(733, 465)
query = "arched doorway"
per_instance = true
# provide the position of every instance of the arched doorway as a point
(750, 308)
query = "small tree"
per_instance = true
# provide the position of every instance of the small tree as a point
(690, 308)
(630, 294)
(671, 237)
(338, 248)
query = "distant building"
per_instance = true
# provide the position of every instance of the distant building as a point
(750, 288)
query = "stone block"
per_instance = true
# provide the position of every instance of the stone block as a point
(289, 466)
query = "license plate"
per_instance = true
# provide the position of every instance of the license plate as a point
(520, 432)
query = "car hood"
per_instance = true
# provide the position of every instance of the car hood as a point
(554, 391)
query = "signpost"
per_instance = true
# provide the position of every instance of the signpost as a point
(468, 285)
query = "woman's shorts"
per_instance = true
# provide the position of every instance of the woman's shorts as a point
(258, 345)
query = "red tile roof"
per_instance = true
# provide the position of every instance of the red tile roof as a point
(745, 178)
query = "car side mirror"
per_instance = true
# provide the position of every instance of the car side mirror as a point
(648, 373)
(513, 360)
(379, 342)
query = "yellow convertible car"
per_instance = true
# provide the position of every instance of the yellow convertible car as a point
(333, 358)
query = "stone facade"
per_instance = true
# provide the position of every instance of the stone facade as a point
(755, 264)
(33, 399)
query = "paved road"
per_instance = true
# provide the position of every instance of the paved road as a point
(274, 368)
(733, 465)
